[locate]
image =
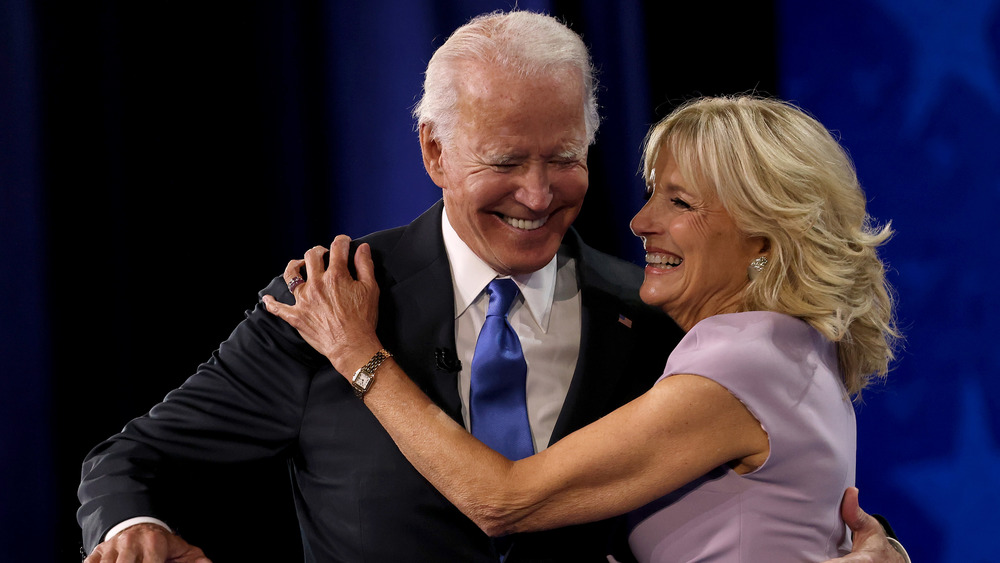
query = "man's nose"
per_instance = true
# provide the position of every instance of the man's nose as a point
(535, 191)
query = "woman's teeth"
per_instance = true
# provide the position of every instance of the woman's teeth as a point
(664, 260)
(524, 223)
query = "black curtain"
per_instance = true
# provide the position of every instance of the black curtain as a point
(162, 161)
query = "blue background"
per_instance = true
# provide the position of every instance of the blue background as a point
(913, 88)
(161, 161)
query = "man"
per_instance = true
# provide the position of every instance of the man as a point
(507, 115)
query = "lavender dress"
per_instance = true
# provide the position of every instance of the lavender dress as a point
(786, 374)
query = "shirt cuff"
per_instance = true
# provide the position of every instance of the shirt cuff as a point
(132, 522)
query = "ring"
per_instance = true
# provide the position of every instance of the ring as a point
(295, 282)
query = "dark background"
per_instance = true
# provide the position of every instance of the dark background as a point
(161, 161)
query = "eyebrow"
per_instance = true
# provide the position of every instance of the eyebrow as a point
(572, 153)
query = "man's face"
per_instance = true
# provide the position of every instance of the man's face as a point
(515, 174)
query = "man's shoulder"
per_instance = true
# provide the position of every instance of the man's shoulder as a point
(425, 229)
(386, 238)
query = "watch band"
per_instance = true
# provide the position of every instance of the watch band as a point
(365, 376)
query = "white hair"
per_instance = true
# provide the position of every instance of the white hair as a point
(526, 44)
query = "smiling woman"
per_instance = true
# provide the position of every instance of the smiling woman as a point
(782, 178)
(696, 255)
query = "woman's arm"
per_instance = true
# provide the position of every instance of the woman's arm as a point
(682, 428)
(679, 430)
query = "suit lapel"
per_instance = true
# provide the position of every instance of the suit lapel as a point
(418, 302)
(605, 340)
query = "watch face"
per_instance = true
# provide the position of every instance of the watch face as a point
(362, 379)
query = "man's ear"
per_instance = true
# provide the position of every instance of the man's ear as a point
(430, 149)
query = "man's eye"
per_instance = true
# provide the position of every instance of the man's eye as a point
(678, 202)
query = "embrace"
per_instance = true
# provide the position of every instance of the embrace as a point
(536, 400)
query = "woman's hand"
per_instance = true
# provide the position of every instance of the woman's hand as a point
(335, 313)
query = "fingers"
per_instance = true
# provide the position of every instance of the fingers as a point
(293, 269)
(850, 510)
(364, 265)
(148, 543)
(314, 262)
(315, 269)
(293, 274)
(276, 308)
(339, 254)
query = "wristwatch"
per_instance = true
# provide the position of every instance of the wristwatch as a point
(364, 377)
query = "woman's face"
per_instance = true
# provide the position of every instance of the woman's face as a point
(696, 258)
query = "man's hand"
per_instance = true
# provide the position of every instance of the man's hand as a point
(871, 545)
(148, 543)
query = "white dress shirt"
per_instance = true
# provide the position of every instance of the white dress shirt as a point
(546, 317)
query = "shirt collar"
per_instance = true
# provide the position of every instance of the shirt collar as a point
(470, 275)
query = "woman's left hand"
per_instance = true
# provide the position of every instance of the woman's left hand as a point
(335, 313)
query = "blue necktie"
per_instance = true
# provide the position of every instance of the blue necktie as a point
(498, 412)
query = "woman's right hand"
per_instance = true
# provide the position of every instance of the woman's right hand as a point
(335, 313)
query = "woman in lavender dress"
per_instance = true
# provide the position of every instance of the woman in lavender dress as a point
(758, 245)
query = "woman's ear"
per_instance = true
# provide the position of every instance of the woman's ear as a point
(430, 149)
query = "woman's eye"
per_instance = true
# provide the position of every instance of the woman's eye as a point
(648, 193)
(678, 202)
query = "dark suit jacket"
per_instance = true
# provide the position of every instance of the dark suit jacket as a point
(266, 393)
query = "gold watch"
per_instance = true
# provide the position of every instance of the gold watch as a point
(363, 378)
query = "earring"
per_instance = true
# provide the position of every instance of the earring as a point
(756, 267)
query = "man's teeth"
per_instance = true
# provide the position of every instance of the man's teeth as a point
(524, 223)
(665, 260)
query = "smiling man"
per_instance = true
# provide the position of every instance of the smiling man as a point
(514, 174)
(508, 112)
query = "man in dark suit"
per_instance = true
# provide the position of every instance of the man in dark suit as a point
(266, 392)
(507, 115)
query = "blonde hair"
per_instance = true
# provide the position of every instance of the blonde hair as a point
(781, 175)
(524, 43)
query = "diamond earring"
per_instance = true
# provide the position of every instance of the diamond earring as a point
(756, 267)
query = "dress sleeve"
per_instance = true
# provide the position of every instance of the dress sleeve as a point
(784, 372)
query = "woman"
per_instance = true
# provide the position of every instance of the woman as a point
(759, 246)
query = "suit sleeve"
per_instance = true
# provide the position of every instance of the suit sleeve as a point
(244, 404)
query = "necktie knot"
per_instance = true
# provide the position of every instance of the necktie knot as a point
(502, 293)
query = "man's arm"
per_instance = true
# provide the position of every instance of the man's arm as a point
(871, 544)
(244, 404)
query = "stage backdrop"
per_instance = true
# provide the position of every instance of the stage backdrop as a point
(161, 161)
(913, 89)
